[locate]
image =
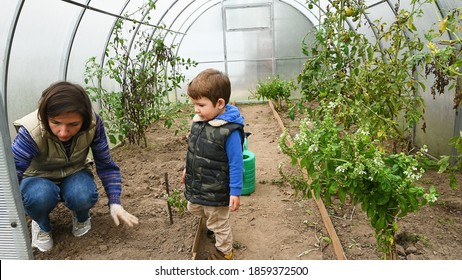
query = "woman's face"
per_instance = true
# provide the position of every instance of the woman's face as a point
(66, 125)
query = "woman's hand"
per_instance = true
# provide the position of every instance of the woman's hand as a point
(118, 213)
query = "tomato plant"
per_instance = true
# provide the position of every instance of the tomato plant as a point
(145, 71)
(355, 142)
(352, 163)
(275, 89)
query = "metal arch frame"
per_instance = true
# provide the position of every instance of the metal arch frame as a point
(440, 9)
(310, 15)
(17, 244)
(181, 12)
(212, 5)
(170, 27)
(20, 218)
(78, 21)
(70, 44)
(137, 28)
(64, 70)
(6, 65)
(164, 14)
(108, 38)
(195, 19)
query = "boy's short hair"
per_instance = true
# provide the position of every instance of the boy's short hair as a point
(212, 84)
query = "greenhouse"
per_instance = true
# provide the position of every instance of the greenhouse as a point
(360, 97)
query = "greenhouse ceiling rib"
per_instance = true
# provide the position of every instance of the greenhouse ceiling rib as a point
(199, 11)
(4, 80)
(106, 45)
(71, 41)
(88, 7)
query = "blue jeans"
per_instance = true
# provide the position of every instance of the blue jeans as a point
(40, 196)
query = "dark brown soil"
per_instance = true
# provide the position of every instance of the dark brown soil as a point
(272, 224)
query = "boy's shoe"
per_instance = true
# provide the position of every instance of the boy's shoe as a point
(80, 229)
(218, 255)
(40, 239)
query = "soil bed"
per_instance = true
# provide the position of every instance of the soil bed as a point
(271, 224)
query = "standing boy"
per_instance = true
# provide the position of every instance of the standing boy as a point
(214, 163)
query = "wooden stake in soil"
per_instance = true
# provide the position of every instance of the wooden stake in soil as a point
(168, 195)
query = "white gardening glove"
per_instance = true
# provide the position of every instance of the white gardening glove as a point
(119, 213)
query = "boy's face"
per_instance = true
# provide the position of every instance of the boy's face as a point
(205, 108)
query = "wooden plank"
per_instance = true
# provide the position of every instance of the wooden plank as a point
(322, 209)
(197, 238)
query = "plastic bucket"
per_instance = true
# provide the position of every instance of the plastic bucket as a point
(249, 172)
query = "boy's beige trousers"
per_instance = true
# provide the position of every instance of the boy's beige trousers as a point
(217, 218)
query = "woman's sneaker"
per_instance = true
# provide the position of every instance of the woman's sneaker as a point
(80, 229)
(40, 239)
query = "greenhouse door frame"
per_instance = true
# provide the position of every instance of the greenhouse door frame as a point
(249, 25)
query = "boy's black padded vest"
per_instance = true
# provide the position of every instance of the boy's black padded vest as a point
(207, 169)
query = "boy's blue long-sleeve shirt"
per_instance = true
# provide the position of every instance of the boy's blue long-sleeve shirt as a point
(234, 150)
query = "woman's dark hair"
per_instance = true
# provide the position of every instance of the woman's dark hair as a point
(64, 97)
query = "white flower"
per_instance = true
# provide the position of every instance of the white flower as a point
(430, 198)
(313, 148)
(340, 169)
(378, 162)
(362, 132)
(424, 149)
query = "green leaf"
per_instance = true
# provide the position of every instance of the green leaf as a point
(370, 53)
(371, 211)
(381, 223)
(443, 164)
(112, 139)
(383, 198)
(453, 181)
(342, 194)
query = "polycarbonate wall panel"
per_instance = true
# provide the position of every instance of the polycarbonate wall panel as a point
(245, 2)
(249, 45)
(37, 54)
(181, 94)
(248, 17)
(244, 75)
(204, 39)
(440, 119)
(249, 39)
(289, 44)
(91, 37)
(289, 69)
(252, 44)
(439, 116)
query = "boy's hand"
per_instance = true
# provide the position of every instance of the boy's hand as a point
(234, 203)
